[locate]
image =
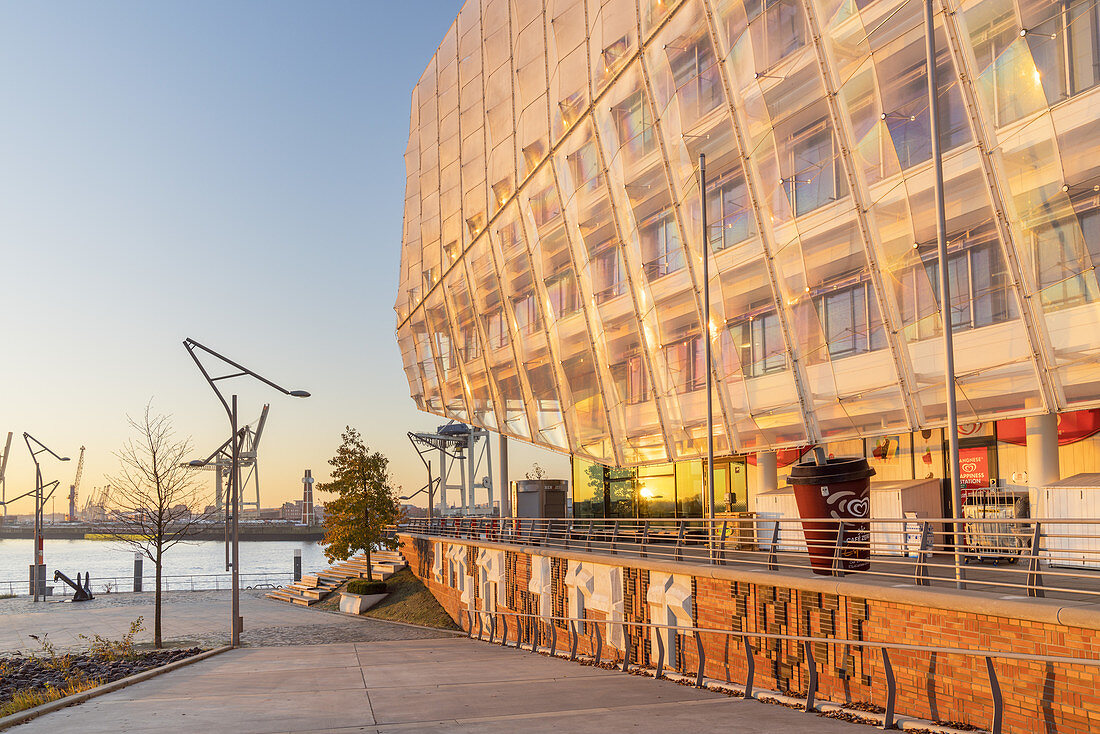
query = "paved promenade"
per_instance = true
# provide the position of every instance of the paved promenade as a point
(189, 618)
(423, 685)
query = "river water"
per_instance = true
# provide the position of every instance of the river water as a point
(189, 565)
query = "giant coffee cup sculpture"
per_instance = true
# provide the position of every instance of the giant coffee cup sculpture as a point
(834, 496)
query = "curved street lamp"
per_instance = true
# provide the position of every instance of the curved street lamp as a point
(194, 348)
(38, 581)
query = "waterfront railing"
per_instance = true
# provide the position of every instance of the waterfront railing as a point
(539, 632)
(1034, 557)
(175, 582)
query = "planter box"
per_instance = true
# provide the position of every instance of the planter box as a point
(358, 603)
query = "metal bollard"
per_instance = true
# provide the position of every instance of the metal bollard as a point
(137, 571)
(297, 565)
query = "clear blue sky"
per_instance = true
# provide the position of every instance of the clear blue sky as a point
(229, 171)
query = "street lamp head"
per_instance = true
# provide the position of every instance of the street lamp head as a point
(64, 458)
(298, 394)
(196, 462)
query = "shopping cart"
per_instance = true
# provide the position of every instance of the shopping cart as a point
(993, 542)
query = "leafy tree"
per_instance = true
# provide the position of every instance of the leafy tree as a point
(366, 501)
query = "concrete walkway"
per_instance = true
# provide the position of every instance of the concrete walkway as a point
(425, 685)
(189, 618)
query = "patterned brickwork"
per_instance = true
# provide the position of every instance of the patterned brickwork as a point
(1038, 697)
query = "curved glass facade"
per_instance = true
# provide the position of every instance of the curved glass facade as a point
(551, 269)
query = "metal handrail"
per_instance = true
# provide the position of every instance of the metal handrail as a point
(807, 643)
(1040, 556)
(175, 582)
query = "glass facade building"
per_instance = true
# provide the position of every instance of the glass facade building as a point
(550, 284)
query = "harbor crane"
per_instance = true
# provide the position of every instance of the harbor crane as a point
(71, 516)
(220, 462)
(3, 471)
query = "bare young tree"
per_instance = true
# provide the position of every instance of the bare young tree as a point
(156, 501)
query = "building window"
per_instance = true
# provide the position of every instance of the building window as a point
(815, 178)
(778, 29)
(660, 246)
(584, 165)
(849, 321)
(527, 313)
(562, 292)
(980, 289)
(634, 125)
(1063, 265)
(496, 329)
(907, 122)
(759, 344)
(729, 217)
(444, 349)
(545, 207)
(687, 364)
(608, 274)
(1064, 41)
(698, 86)
(632, 379)
(471, 347)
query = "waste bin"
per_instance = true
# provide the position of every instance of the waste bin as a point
(827, 494)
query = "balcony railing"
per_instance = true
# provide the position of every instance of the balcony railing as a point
(1036, 557)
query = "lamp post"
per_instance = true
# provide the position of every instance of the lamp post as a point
(234, 500)
(39, 502)
(945, 287)
(706, 343)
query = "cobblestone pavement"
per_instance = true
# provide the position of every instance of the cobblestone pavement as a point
(191, 618)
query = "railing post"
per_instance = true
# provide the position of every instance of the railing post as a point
(1034, 578)
(645, 538)
(572, 640)
(891, 691)
(478, 614)
(553, 638)
(599, 644)
(536, 638)
(492, 627)
(702, 659)
(626, 649)
(750, 665)
(772, 564)
(469, 624)
(811, 684)
(614, 537)
(504, 624)
(660, 651)
(995, 690)
(588, 536)
(722, 546)
(838, 551)
(680, 540)
(920, 575)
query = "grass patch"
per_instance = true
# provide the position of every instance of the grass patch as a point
(7, 596)
(410, 601)
(30, 697)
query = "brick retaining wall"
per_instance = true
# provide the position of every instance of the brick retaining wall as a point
(1038, 697)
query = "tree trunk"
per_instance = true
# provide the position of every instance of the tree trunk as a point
(366, 522)
(156, 607)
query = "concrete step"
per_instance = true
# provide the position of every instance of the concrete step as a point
(291, 598)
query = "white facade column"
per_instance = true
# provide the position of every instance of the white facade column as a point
(505, 490)
(1042, 449)
(767, 475)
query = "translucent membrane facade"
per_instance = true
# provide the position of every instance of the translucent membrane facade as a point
(551, 271)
